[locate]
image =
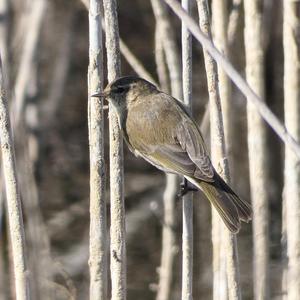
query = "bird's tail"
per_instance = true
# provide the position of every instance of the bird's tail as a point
(231, 208)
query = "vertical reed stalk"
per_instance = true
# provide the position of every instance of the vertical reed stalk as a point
(187, 201)
(16, 225)
(257, 148)
(117, 229)
(220, 25)
(98, 225)
(217, 151)
(291, 44)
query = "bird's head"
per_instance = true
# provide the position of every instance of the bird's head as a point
(126, 91)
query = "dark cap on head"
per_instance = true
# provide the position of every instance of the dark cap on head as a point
(129, 81)
(125, 83)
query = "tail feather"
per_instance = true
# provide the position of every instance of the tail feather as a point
(231, 208)
(243, 207)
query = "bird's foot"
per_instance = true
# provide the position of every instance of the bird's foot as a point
(186, 187)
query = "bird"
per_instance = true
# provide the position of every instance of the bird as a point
(158, 128)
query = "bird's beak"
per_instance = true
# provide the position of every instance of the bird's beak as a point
(103, 94)
(99, 95)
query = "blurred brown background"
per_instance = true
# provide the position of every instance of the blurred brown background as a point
(54, 129)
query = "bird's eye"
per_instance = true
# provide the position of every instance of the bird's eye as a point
(119, 90)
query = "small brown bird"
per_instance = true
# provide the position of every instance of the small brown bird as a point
(158, 128)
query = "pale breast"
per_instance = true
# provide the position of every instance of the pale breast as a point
(152, 122)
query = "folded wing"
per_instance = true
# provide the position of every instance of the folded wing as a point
(185, 153)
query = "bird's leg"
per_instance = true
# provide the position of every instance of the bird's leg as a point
(186, 187)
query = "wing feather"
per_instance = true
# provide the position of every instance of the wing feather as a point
(179, 149)
(191, 140)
